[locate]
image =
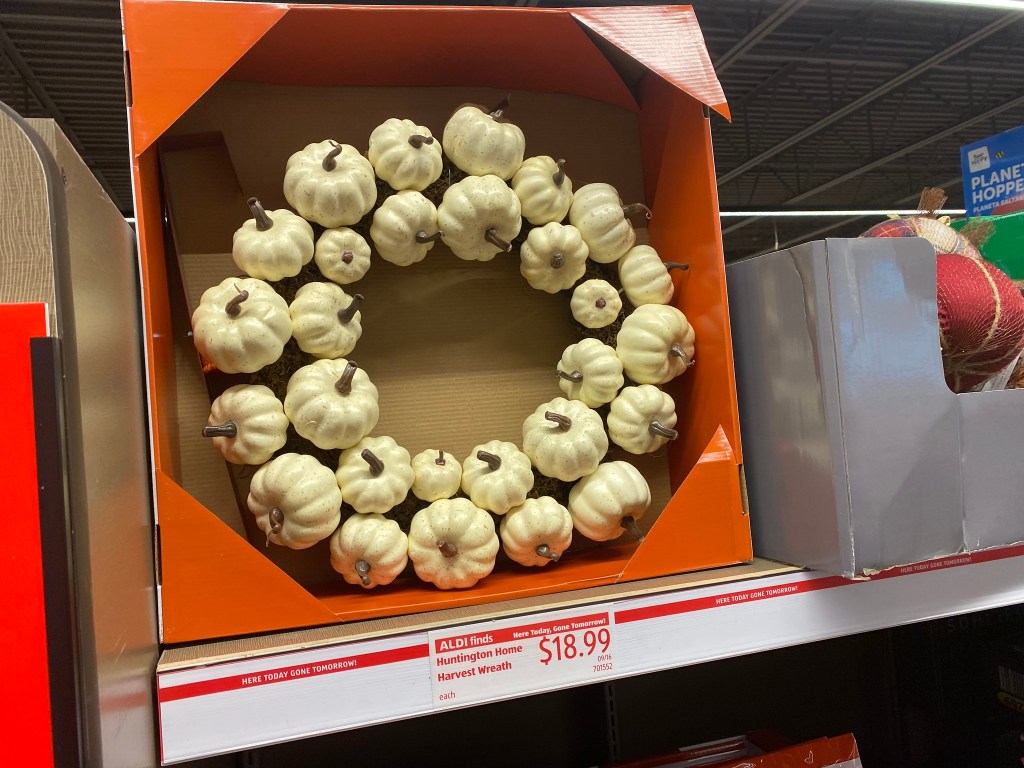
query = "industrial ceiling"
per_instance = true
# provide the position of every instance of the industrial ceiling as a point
(836, 104)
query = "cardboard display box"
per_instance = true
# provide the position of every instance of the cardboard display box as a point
(222, 93)
(861, 458)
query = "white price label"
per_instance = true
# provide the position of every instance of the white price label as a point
(502, 658)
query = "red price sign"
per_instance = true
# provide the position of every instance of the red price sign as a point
(573, 646)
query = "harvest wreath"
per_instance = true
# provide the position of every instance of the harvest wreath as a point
(309, 407)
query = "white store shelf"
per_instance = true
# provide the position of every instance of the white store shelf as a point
(210, 708)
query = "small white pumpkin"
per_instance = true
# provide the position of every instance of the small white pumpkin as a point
(645, 277)
(438, 475)
(369, 550)
(479, 218)
(296, 501)
(452, 544)
(247, 424)
(404, 154)
(641, 419)
(590, 371)
(497, 476)
(342, 255)
(374, 475)
(655, 344)
(543, 189)
(326, 320)
(564, 439)
(553, 257)
(272, 244)
(404, 228)
(483, 142)
(595, 303)
(329, 183)
(609, 501)
(537, 532)
(332, 403)
(598, 213)
(241, 325)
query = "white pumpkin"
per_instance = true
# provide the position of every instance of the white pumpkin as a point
(590, 371)
(295, 500)
(326, 320)
(332, 403)
(342, 255)
(645, 277)
(537, 532)
(247, 424)
(452, 544)
(369, 550)
(597, 212)
(404, 228)
(437, 475)
(497, 476)
(479, 218)
(241, 325)
(595, 303)
(374, 475)
(483, 143)
(641, 419)
(543, 189)
(272, 244)
(404, 154)
(553, 257)
(564, 439)
(329, 183)
(609, 501)
(655, 344)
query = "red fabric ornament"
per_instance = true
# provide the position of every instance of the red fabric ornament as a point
(943, 237)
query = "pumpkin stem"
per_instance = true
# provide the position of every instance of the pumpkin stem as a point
(657, 428)
(676, 351)
(492, 460)
(559, 176)
(600, 303)
(634, 208)
(363, 569)
(276, 520)
(234, 307)
(376, 465)
(346, 257)
(447, 548)
(440, 458)
(563, 421)
(418, 140)
(575, 377)
(227, 429)
(345, 315)
(557, 260)
(680, 265)
(344, 384)
(263, 222)
(423, 237)
(499, 110)
(545, 551)
(629, 523)
(491, 236)
(329, 163)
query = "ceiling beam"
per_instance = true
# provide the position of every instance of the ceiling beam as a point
(757, 34)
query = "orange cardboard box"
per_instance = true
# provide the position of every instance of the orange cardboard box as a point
(648, 63)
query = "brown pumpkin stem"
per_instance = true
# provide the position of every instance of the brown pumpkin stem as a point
(657, 428)
(363, 569)
(330, 163)
(447, 548)
(600, 303)
(344, 384)
(234, 307)
(418, 140)
(227, 429)
(499, 110)
(676, 351)
(492, 460)
(345, 315)
(575, 377)
(371, 458)
(545, 551)
(559, 176)
(563, 421)
(263, 222)
(440, 458)
(557, 260)
(346, 257)
(491, 236)
(276, 520)
(932, 199)
(422, 237)
(680, 265)
(633, 209)
(629, 523)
